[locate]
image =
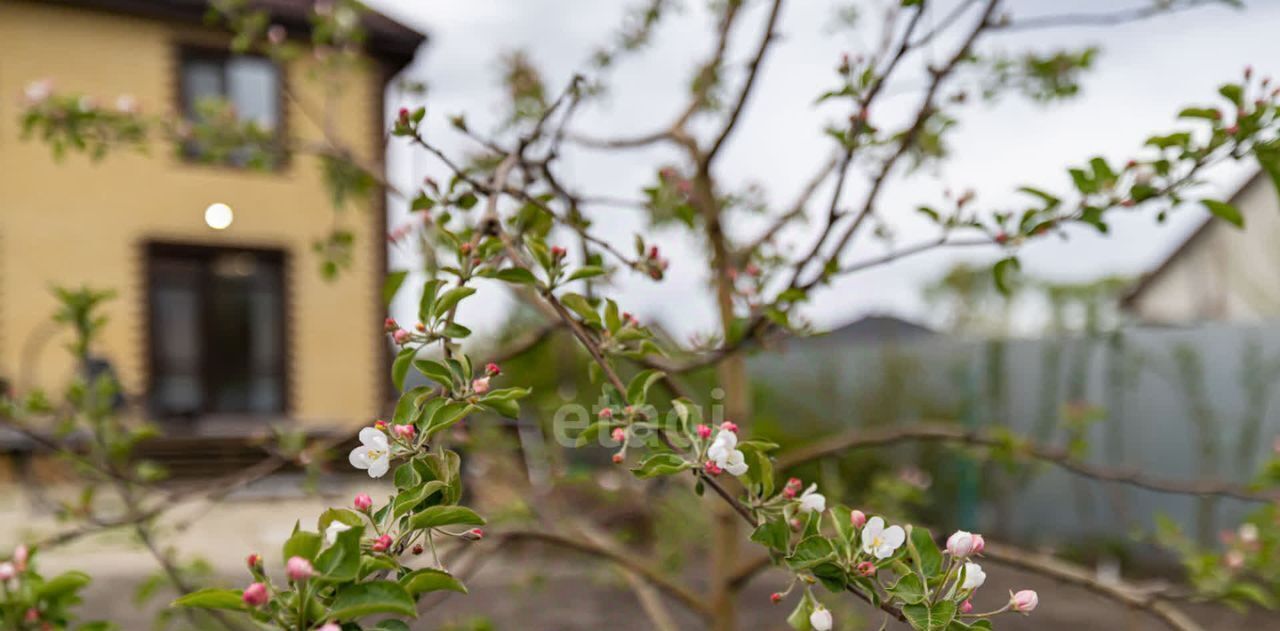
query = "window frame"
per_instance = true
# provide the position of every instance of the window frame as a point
(204, 252)
(222, 54)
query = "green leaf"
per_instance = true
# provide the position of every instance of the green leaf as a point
(435, 371)
(504, 407)
(588, 271)
(427, 303)
(407, 476)
(591, 432)
(930, 618)
(930, 556)
(638, 389)
(407, 407)
(775, 535)
(62, 584)
(1268, 155)
(833, 577)
(437, 516)
(392, 285)
(212, 599)
(364, 599)
(1224, 211)
(518, 275)
(390, 625)
(431, 580)
(799, 618)
(447, 415)
(302, 544)
(659, 465)
(908, 589)
(450, 299)
(400, 367)
(340, 562)
(583, 308)
(1002, 271)
(810, 552)
(1207, 113)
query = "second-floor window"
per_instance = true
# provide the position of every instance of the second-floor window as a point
(233, 103)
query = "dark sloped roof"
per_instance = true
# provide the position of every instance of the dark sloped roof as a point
(387, 39)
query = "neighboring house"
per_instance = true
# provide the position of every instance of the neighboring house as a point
(217, 331)
(1220, 273)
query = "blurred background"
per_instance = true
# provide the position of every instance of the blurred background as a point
(1139, 349)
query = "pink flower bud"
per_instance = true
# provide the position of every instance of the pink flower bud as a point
(619, 434)
(789, 492)
(775, 598)
(857, 518)
(417, 549)
(704, 432)
(404, 115)
(401, 336)
(380, 426)
(795, 483)
(255, 595)
(406, 432)
(960, 544)
(253, 561)
(276, 34)
(20, 555)
(475, 534)
(966, 606)
(1024, 601)
(390, 324)
(605, 413)
(1233, 559)
(618, 458)
(867, 568)
(979, 544)
(298, 569)
(729, 426)
(381, 543)
(330, 626)
(712, 468)
(492, 369)
(7, 572)
(481, 385)
(363, 502)
(33, 615)
(558, 252)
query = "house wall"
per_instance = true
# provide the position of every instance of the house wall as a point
(83, 222)
(1225, 274)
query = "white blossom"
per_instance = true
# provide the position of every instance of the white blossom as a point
(960, 544)
(974, 577)
(38, 92)
(811, 501)
(373, 454)
(820, 619)
(880, 541)
(725, 453)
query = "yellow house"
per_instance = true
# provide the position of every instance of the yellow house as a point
(216, 328)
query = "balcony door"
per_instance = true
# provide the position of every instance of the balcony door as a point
(216, 331)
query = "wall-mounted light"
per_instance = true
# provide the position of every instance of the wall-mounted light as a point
(218, 216)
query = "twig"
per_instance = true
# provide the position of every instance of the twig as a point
(938, 432)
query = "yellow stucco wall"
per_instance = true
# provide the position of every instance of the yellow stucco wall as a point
(83, 222)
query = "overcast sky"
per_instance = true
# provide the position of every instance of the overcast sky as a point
(1147, 71)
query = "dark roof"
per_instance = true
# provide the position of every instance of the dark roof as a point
(387, 39)
(876, 328)
(1150, 278)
